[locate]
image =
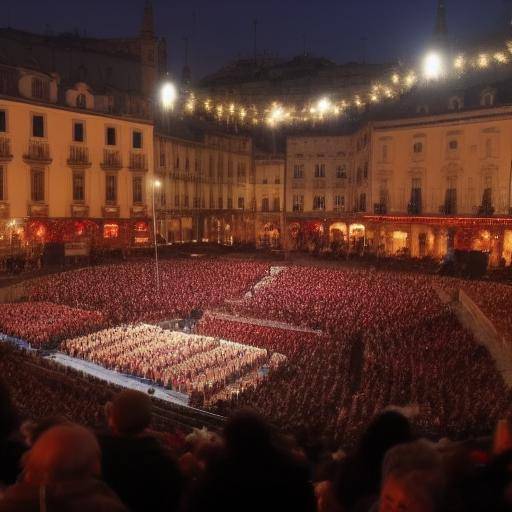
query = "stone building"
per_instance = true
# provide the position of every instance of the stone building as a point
(69, 171)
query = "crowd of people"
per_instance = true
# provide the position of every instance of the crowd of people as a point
(44, 324)
(55, 463)
(128, 292)
(188, 363)
(386, 340)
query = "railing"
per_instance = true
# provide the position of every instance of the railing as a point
(138, 161)
(110, 211)
(38, 151)
(5, 148)
(78, 155)
(380, 208)
(111, 159)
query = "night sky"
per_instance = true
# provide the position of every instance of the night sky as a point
(221, 30)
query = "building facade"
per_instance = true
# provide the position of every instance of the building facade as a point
(207, 189)
(68, 171)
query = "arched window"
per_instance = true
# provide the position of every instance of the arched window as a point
(81, 101)
(455, 103)
(418, 147)
(487, 99)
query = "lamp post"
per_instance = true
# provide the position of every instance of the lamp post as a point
(156, 185)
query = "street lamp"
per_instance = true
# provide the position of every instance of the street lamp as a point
(433, 66)
(156, 185)
(168, 95)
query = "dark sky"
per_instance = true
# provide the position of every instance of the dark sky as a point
(221, 30)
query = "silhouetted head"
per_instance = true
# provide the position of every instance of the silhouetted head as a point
(62, 453)
(385, 431)
(129, 413)
(247, 432)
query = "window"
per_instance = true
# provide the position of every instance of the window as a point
(177, 200)
(415, 204)
(385, 153)
(319, 203)
(320, 171)
(37, 126)
(362, 202)
(40, 89)
(450, 200)
(137, 183)
(196, 202)
(341, 171)
(230, 203)
(488, 148)
(81, 101)
(78, 131)
(265, 205)
(111, 188)
(185, 201)
(110, 230)
(187, 164)
(221, 203)
(230, 168)
(455, 104)
(111, 136)
(298, 203)
(339, 203)
(418, 147)
(241, 203)
(487, 99)
(453, 145)
(3, 121)
(2, 184)
(298, 171)
(277, 204)
(137, 139)
(37, 185)
(365, 170)
(78, 186)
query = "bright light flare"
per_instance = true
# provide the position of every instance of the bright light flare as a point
(433, 66)
(168, 95)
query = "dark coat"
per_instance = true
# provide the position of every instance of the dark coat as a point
(142, 472)
(88, 495)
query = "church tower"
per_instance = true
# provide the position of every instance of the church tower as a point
(148, 51)
(440, 31)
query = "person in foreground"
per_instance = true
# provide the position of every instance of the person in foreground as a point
(134, 462)
(61, 472)
(255, 473)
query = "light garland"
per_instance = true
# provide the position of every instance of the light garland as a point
(433, 68)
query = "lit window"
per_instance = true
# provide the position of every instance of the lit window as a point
(110, 230)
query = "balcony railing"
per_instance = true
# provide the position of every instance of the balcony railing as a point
(38, 151)
(380, 209)
(79, 156)
(138, 162)
(110, 211)
(111, 159)
(38, 210)
(5, 149)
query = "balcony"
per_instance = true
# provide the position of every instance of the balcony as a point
(380, 209)
(5, 149)
(79, 210)
(38, 152)
(138, 211)
(4, 210)
(112, 160)
(110, 211)
(38, 210)
(79, 157)
(413, 208)
(138, 162)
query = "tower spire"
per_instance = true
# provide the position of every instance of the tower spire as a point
(440, 30)
(147, 29)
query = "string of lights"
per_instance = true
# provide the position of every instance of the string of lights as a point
(434, 66)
